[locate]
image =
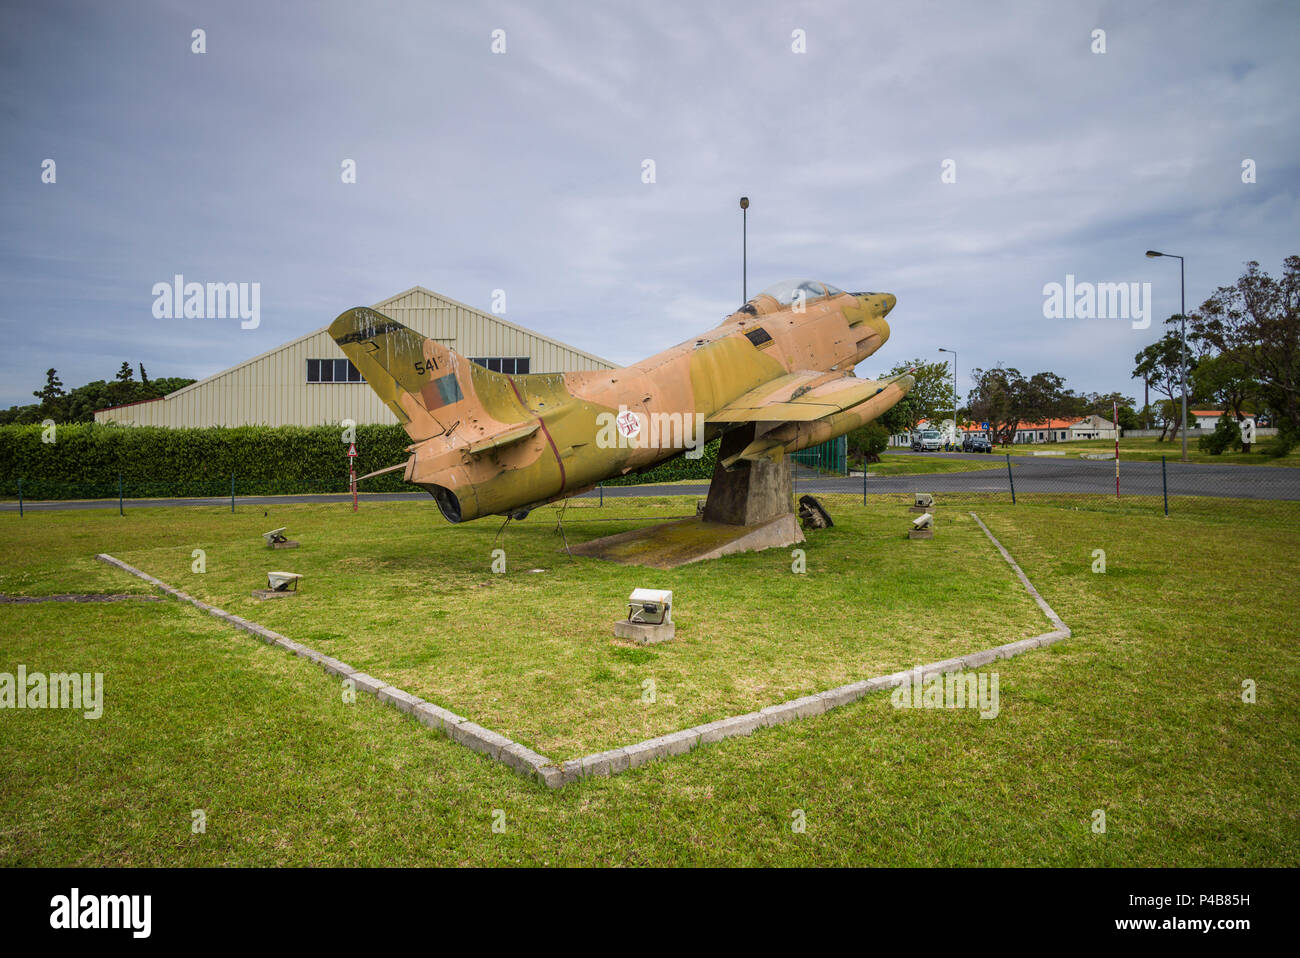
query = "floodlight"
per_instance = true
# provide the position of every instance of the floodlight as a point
(650, 606)
(280, 581)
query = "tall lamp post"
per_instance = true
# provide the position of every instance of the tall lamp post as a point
(1182, 317)
(954, 388)
(744, 249)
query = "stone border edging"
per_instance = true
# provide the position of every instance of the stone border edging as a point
(458, 728)
(617, 760)
(613, 761)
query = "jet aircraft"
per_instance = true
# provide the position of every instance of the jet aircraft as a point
(489, 443)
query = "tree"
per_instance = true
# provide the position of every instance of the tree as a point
(52, 397)
(1257, 321)
(79, 404)
(123, 389)
(1226, 434)
(1225, 381)
(1160, 364)
(1005, 397)
(931, 396)
(868, 441)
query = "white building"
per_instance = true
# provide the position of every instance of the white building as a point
(309, 382)
(1092, 427)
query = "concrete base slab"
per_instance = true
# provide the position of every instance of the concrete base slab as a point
(286, 544)
(920, 533)
(644, 632)
(271, 594)
(672, 544)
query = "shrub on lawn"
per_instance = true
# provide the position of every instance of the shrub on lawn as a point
(1226, 435)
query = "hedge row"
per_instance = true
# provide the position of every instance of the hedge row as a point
(87, 460)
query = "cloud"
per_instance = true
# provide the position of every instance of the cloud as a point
(522, 171)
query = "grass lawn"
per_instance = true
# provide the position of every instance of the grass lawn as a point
(404, 596)
(925, 464)
(1140, 713)
(1150, 449)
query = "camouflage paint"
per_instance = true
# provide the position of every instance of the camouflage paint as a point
(488, 443)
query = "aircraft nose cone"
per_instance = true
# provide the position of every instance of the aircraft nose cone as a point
(877, 303)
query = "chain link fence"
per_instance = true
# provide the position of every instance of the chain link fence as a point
(1159, 486)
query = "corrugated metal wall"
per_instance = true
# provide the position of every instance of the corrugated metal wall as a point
(272, 389)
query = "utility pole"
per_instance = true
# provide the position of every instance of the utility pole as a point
(744, 249)
(1182, 316)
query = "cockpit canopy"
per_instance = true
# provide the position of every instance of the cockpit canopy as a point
(786, 291)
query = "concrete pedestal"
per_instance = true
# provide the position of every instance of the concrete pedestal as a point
(753, 492)
(643, 632)
(748, 509)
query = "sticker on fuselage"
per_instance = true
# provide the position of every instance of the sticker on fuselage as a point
(628, 423)
(441, 392)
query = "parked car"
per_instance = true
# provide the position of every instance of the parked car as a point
(927, 440)
(974, 443)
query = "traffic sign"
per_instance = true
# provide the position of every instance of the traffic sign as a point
(352, 450)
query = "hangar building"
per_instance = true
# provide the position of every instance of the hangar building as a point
(307, 382)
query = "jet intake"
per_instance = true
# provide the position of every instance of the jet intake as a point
(448, 503)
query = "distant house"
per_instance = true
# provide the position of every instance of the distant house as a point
(1058, 430)
(1049, 430)
(1092, 427)
(1204, 418)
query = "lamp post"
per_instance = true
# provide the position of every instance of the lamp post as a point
(744, 249)
(1182, 317)
(954, 388)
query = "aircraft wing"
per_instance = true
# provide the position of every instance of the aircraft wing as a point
(509, 436)
(799, 397)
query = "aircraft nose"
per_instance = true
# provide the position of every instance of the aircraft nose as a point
(877, 303)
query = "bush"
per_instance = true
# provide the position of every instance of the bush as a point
(1226, 434)
(1282, 444)
(87, 459)
(869, 441)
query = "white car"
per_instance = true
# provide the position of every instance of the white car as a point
(928, 440)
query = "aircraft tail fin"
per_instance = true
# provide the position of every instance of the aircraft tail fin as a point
(414, 376)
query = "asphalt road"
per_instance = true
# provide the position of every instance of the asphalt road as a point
(1046, 474)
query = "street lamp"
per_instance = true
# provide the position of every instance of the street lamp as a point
(1182, 317)
(744, 249)
(954, 388)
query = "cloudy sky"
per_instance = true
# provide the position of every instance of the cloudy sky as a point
(522, 170)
